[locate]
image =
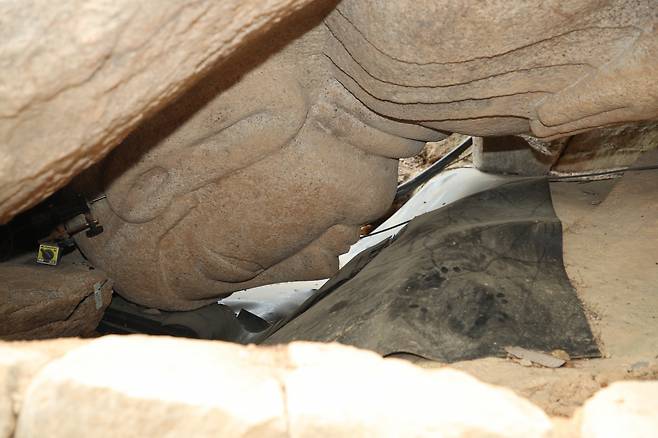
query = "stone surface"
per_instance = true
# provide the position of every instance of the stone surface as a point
(622, 90)
(514, 155)
(334, 391)
(19, 363)
(251, 177)
(78, 76)
(150, 386)
(264, 171)
(38, 301)
(556, 68)
(254, 176)
(301, 390)
(142, 387)
(607, 148)
(492, 68)
(622, 409)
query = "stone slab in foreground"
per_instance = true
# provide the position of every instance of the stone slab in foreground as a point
(624, 409)
(140, 386)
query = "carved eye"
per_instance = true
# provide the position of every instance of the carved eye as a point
(260, 119)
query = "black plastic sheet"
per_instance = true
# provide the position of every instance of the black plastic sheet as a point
(458, 283)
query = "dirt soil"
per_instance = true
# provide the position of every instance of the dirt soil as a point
(611, 256)
(431, 153)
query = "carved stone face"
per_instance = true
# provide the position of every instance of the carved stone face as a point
(240, 184)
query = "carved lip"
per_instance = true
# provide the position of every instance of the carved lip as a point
(220, 267)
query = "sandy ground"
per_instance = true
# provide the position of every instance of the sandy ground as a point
(611, 256)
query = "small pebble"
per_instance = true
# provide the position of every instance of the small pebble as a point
(561, 354)
(639, 365)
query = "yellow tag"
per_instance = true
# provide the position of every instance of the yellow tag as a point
(48, 254)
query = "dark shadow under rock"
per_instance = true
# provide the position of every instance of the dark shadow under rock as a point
(39, 302)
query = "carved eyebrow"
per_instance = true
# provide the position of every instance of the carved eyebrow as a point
(352, 130)
(273, 121)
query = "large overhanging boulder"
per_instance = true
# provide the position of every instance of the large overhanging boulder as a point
(77, 76)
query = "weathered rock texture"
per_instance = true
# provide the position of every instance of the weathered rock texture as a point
(622, 409)
(38, 301)
(499, 68)
(515, 155)
(256, 175)
(264, 171)
(607, 148)
(333, 391)
(78, 76)
(302, 390)
(147, 386)
(19, 363)
(597, 150)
